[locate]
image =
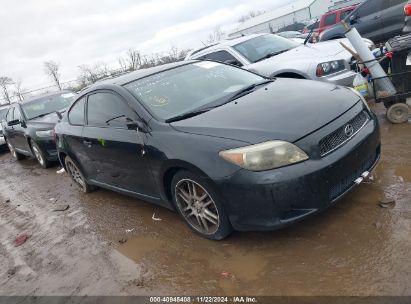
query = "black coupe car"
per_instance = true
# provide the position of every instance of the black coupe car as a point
(29, 126)
(226, 148)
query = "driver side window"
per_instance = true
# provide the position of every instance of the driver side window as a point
(107, 110)
(223, 56)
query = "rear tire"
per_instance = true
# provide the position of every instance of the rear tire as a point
(16, 155)
(200, 206)
(39, 155)
(398, 113)
(77, 176)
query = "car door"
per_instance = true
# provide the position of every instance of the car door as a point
(367, 19)
(19, 131)
(114, 144)
(73, 136)
(393, 18)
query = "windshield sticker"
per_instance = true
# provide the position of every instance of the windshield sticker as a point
(207, 64)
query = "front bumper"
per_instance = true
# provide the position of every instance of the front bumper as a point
(48, 146)
(276, 198)
(345, 78)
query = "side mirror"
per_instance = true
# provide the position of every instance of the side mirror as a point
(13, 122)
(353, 19)
(233, 62)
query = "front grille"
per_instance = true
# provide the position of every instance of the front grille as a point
(339, 137)
(345, 183)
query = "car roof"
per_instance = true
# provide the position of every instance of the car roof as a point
(227, 42)
(38, 97)
(138, 74)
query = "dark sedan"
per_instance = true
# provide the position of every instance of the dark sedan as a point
(29, 126)
(226, 148)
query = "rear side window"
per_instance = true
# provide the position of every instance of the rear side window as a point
(330, 19)
(370, 7)
(76, 114)
(396, 2)
(107, 110)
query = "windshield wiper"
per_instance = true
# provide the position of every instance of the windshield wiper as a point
(42, 115)
(269, 55)
(247, 90)
(236, 95)
(188, 115)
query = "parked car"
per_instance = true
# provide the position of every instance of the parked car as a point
(378, 20)
(333, 17)
(312, 25)
(29, 125)
(3, 112)
(407, 10)
(275, 56)
(224, 147)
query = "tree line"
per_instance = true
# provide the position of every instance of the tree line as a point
(132, 60)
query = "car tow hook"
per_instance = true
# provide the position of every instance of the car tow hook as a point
(362, 177)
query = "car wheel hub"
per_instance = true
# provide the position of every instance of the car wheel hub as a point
(38, 155)
(75, 174)
(197, 206)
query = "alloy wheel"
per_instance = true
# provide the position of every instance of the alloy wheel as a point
(12, 150)
(75, 174)
(38, 155)
(197, 206)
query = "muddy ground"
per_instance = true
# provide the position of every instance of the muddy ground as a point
(355, 248)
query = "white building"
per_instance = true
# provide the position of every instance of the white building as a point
(297, 11)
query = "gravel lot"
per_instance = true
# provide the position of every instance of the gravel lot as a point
(108, 244)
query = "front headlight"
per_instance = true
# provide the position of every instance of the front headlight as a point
(362, 99)
(330, 67)
(46, 133)
(265, 156)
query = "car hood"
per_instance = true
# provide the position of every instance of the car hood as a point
(287, 109)
(47, 121)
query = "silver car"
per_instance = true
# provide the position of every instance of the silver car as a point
(275, 56)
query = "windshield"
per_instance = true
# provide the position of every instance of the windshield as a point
(261, 47)
(3, 113)
(186, 88)
(47, 105)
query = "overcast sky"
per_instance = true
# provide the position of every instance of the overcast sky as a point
(75, 32)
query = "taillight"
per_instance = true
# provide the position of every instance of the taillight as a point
(407, 10)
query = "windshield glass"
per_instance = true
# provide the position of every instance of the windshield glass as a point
(3, 113)
(184, 89)
(260, 47)
(47, 105)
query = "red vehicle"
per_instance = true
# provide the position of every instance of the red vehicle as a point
(334, 17)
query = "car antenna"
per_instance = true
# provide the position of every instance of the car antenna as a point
(310, 33)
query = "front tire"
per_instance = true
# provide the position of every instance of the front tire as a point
(39, 155)
(200, 206)
(16, 155)
(77, 176)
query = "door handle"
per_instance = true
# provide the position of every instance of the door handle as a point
(87, 143)
(377, 17)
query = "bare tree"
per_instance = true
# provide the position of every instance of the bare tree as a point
(133, 59)
(18, 91)
(51, 68)
(123, 64)
(216, 35)
(5, 82)
(250, 14)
